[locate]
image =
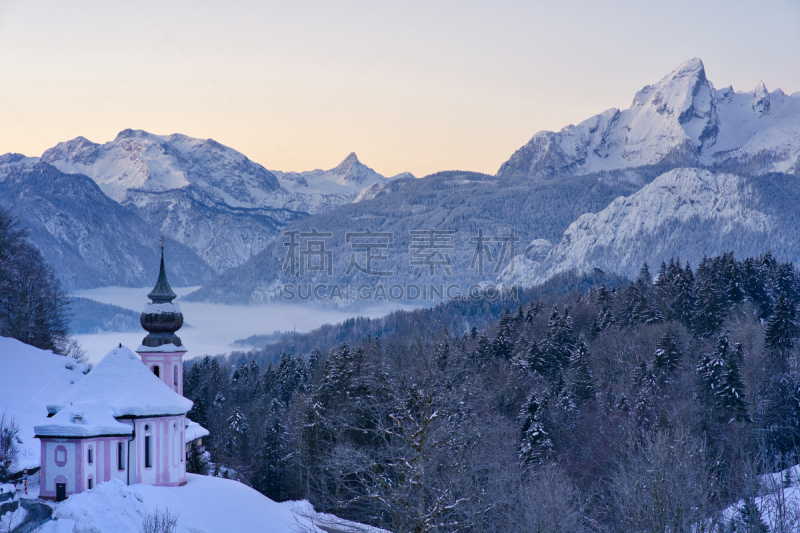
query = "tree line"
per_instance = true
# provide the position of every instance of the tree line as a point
(645, 406)
(33, 307)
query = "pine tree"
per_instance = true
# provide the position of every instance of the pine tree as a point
(483, 350)
(781, 327)
(534, 441)
(721, 375)
(558, 343)
(503, 344)
(732, 394)
(667, 356)
(710, 305)
(683, 303)
(583, 388)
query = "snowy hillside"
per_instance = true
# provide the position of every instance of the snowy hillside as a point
(30, 379)
(680, 121)
(686, 213)
(203, 505)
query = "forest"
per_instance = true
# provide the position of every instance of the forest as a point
(33, 307)
(588, 404)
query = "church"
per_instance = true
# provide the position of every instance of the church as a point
(127, 418)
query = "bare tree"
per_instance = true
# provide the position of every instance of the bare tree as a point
(549, 503)
(160, 522)
(664, 484)
(9, 431)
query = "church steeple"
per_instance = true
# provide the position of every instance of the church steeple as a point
(162, 292)
(161, 317)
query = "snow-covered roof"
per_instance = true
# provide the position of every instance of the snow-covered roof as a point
(124, 384)
(83, 419)
(194, 431)
(164, 348)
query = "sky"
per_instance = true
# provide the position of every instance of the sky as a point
(417, 85)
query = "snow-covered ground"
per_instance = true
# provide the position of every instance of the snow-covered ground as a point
(329, 521)
(203, 505)
(778, 502)
(212, 327)
(30, 379)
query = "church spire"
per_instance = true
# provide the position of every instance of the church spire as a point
(161, 317)
(162, 292)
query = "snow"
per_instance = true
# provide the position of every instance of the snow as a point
(83, 419)
(194, 431)
(30, 379)
(616, 235)
(121, 382)
(161, 308)
(164, 348)
(682, 120)
(5, 488)
(329, 521)
(13, 519)
(203, 505)
(778, 500)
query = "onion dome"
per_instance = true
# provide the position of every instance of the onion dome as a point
(161, 317)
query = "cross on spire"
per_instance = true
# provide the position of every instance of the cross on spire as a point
(162, 242)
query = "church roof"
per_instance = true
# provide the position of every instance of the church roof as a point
(127, 387)
(83, 419)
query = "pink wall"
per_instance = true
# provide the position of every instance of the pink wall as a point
(76, 468)
(170, 367)
(168, 465)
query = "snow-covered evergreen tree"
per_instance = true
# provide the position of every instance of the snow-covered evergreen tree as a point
(534, 441)
(781, 327)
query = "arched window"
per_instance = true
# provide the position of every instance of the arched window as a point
(156, 371)
(90, 454)
(175, 375)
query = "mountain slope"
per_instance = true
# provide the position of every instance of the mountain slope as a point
(461, 202)
(687, 213)
(680, 121)
(89, 239)
(205, 195)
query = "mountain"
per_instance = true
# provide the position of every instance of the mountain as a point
(681, 121)
(700, 144)
(205, 195)
(89, 239)
(319, 191)
(688, 213)
(462, 203)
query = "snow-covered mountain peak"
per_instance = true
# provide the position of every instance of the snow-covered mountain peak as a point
(761, 99)
(138, 161)
(346, 165)
(675, 93)
(679, 121)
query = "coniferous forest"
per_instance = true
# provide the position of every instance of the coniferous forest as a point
(587, 404)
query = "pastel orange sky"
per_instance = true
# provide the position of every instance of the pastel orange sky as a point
(418, 85)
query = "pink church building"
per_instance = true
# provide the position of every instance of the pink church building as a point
(127, 418)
